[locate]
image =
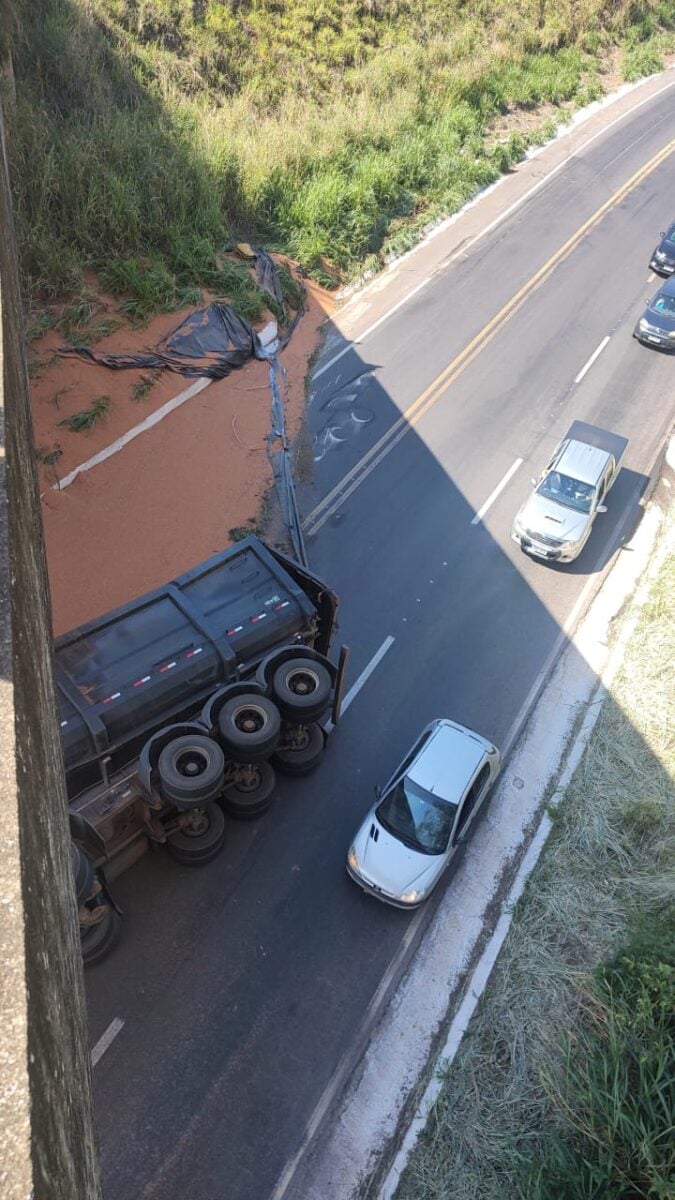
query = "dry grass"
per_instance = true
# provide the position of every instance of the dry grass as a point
(608, 865)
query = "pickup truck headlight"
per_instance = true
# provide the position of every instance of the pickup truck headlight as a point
(659, 256)
(642, 324)
(411, 897)
(352, 859)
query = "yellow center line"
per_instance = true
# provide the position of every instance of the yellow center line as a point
(407, 421)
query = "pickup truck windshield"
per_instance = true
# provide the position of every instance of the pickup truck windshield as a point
(565, 490)
(417, 818)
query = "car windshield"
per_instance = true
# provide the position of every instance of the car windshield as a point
(565, 490)
(664, 304)
(417, 818)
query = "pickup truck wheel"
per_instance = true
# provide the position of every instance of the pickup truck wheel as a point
(83, 873)
(200, 838)
(249, 727)
(97, 941)
(302, 689)
(305, 755)
(253, 792)
(191, 771)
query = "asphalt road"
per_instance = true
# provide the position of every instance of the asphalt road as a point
(242, 985)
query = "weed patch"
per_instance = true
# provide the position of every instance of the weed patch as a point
(87, 418)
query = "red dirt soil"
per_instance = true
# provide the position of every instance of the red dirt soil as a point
(169, 498)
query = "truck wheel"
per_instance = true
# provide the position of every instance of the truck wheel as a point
(249, 727)
(83, 873)
(305, 755)
(97, 941)
(302, 688)
(253, 792)
(191, 771)
(200, 838)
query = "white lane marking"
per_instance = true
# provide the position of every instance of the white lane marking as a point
(363, 678)
(487, 229)
(106, 1041)
(499, 488)
(338, 1079)
(651, 277)
(153, 419)
(596, 354)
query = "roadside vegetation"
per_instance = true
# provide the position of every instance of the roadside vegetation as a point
(564, 1085)
(145, 136)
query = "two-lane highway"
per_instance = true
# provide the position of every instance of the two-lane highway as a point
(242, 986)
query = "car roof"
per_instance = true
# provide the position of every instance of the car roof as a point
(583, 462)
(447, 762)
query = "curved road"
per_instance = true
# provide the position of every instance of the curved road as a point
(242, 985)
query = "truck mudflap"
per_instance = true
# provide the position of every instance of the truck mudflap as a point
(602, 439)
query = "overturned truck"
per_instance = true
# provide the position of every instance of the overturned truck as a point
(177, 709)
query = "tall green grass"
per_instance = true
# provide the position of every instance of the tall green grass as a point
(317, 126)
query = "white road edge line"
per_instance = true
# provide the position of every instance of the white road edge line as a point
(104, 1042)
(499, 488)
(153, 419)
(487, 229)
(596, 354)
(363, 678)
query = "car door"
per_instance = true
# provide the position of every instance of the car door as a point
(470, 805)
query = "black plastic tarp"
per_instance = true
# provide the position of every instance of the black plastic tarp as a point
(211, 341)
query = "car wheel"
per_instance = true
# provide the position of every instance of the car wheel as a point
(252, 793)
(191, 771)
(83, 873)
(304, 755)
(302, 688)
(200, 838)
(249, 727)
(97, 941)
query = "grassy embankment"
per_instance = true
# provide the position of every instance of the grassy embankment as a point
(564, 1088)
(146, 135)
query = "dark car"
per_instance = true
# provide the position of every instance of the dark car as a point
(656, 326)
(663, 258)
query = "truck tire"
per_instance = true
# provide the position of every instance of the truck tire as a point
(200, 839)
(302, 689)
(305, 755)
(99, 940)
(191, 771)
(83, 874)
(248, 799)
(249, 727)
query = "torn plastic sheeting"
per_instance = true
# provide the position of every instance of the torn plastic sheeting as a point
(210, 342)
(267, 274)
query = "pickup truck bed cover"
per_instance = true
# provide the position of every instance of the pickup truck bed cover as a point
(602, 439)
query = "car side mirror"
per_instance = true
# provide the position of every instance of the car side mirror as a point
(602, 508)
(534, 481)
(460, 839)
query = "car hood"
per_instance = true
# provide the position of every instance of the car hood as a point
(389, 863)
(659, 320)
(540, 515)
(666, 247)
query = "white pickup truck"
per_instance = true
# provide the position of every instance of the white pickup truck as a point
(556, 521)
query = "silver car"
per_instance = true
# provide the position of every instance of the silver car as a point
(556, 520)
(423, 814)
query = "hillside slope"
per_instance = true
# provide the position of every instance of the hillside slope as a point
(145, 133)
